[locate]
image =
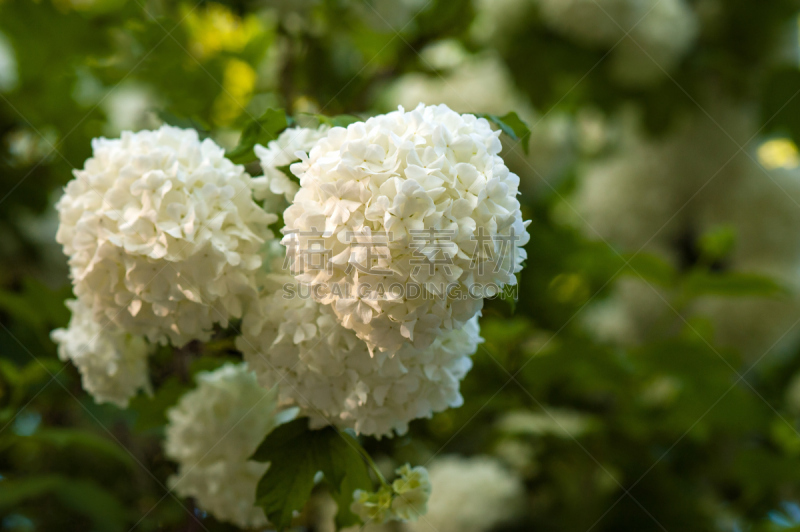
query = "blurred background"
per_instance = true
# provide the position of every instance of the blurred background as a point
(649, 377)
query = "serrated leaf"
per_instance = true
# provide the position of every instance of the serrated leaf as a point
(260, 131)
(296, 454)
(513, 126)
(356, 477)
(287, 484)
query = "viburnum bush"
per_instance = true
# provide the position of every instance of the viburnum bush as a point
(399, 265)
(168, 241)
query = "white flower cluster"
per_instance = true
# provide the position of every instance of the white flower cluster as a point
(497, 22)
(591, 22)
(325, 369)
(483, 83)
(759, 205)
(9, 76)
(649, 37)
(282, 152)
(480, 83)
(645, 191)
(663, 34)
(405, 499)
(112, 363)
(654, 195)
(212, 432)
(470, 495)
(406, 202)
(162, 234)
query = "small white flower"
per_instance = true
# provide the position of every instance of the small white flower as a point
(112, 363)
(590, 22)
(648, 38)
(282, 152)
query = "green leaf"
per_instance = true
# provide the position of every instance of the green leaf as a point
(296, 454)
(210, 363)
(95, 502)
(510, 293)
(513, 126)
(287, 484)
(19, 308)
(733, 284)
(260, 131)
(81, 496)
(151, 411)
(651, 268)
(717, 244)
(15, 491)
(62, 437)
(338, 120)
(195, 122)
(287, 172)
(349, 461)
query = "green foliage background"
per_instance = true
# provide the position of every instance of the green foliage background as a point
(675, 433)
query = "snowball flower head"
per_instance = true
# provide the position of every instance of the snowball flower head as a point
(282, 152)
(470, 495)
(162, 234)
(112, 363)
(403, 223)
(211, 433)
(589, 22)
(226, 490)
(663, 33)
(321, 366)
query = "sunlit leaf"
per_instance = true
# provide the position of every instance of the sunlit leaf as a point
(259, 131)
(513, 126)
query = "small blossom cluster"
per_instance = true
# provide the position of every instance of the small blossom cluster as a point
(211, 433)
(277, 156)
(648, 195)
(406, 499)
(112, 363)
(470, 495)
(646, 39)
